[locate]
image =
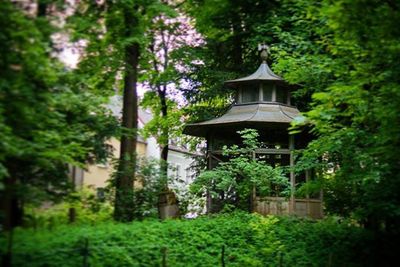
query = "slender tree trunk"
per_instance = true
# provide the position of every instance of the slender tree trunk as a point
(124, 199)
(238, 42)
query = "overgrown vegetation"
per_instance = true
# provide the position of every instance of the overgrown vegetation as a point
(247, 240)
(87, 207)
(46, 121)
(232, 183)
(346, 62)
(344, 54)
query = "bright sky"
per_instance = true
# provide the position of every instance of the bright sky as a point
(70, 56)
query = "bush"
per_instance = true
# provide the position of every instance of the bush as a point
(231, 183)
(248, 240)
(88, 208)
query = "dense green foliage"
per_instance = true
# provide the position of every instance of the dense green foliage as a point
(358, 114)
(124, 48)
(46, 122)
(88, 209)
(249, 240)
(345, 57)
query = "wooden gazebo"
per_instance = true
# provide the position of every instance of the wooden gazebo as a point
(262, 102)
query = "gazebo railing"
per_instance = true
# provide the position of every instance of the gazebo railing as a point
(303, 207)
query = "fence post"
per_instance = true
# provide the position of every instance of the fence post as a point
(6, 257)
(330, 259)
(223, 256)
(280, 259)
(85, 253)
(164, 257)
(71, 215)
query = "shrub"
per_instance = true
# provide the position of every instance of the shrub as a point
(248, 240)
(231, 183)
(87, 207)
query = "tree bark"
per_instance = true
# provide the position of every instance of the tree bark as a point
(237, 42)
(124, 199)
(165, 133)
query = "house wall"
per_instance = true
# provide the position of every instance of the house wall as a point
(97, 175)
(152, 148)
(180, 163)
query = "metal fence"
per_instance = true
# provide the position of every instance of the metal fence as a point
(84, 250)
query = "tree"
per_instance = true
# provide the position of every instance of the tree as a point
(170, 36)
(46, 123)
(116, 36)
(125, 179)
(112, 29)
(163, 39)
(346, 63)
(229, 29)
(354, 115)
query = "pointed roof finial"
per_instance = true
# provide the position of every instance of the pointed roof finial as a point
(264, 51)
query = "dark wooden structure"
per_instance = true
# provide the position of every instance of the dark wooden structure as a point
(262, 102)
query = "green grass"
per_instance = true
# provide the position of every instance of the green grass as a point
(249, 240)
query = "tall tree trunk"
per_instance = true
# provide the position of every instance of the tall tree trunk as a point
(165, 133)
(124, 199)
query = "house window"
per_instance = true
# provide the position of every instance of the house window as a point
(100, 192)
(178, 171)
(188, 176)
(103, 165)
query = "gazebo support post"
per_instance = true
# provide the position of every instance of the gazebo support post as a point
(253, 191)
(308, 195)
(292, 176)
(209, 167)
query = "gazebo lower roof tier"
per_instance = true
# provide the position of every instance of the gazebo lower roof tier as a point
(246, 114)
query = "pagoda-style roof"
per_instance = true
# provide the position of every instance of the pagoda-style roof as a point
(265, 113)
(262, 101)
(263, 73)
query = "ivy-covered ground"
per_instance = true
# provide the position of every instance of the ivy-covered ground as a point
(234, 240)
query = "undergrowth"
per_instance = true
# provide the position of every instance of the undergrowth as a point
(237, 239)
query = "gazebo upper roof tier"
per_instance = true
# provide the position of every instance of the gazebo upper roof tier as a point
(263, 73)
(256, 113)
